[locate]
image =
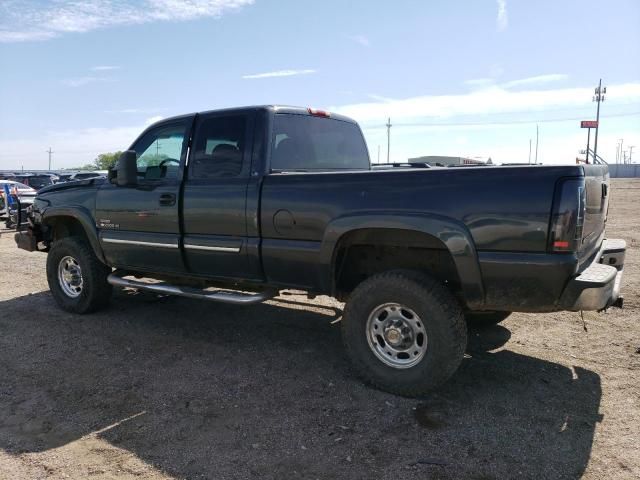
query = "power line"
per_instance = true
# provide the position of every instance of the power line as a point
(466, 124)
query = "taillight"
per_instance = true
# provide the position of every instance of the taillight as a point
(318, 113)
(567, 215)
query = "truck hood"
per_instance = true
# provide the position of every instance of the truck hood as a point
(88, 183)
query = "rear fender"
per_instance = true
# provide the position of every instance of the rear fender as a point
(453, 234)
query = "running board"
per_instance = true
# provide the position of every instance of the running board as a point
(235, 298)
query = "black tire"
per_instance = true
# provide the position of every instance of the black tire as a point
(95, 291)
(484, 319)
(440, 314)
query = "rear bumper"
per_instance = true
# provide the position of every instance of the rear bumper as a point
(598, 286)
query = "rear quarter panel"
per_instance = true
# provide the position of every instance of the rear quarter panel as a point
(505, 209)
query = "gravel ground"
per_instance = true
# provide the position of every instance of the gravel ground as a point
(157, 387)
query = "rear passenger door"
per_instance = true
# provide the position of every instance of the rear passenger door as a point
(214, 204)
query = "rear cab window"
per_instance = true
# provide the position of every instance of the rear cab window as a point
(309, 143)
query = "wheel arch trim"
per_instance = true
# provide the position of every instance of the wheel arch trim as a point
(82, 216)
(452, 233)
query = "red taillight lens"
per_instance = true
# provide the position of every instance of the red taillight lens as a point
(567, 217)
(318, 113)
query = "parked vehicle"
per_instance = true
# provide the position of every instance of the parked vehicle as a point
(84, 176)
(24, 193)
(35, 181)
(266, 198)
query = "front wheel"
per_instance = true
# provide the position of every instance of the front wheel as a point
(77, 279)
(404, 332)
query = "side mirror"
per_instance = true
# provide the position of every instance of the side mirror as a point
(125, 173)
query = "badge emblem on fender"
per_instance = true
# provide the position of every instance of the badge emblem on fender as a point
(105, 223)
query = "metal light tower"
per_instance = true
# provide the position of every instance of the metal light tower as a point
(598, 97)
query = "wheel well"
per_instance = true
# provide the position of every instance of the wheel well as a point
(61, 227)
(365, 252)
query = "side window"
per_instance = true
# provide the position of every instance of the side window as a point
(159, 151)
(219, 147)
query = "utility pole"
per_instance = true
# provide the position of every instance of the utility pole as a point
(619, 157)
(50, 152)
(598, 97)
(536, 143)
(529, 151)
(586, 152)
(631, 147)
(388, 138)
(378, 153)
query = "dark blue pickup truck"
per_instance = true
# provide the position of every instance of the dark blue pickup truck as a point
(234, 205)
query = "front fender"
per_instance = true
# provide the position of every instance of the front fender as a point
(83, 216)
(452, 233)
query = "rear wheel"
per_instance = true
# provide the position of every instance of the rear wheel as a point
(404, 332)
(484, 319)
(77, 279)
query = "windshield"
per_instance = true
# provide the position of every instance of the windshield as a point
(310, 143)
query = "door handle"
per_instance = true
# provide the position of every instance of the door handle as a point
(167, 199)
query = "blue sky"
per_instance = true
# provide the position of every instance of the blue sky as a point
(468, 78)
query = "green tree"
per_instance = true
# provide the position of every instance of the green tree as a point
(105, 161)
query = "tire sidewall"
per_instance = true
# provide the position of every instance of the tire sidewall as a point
(76, 249)
(434, 318)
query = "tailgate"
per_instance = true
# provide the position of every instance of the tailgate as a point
(596, 208)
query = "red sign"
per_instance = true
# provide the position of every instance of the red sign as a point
(588, 124)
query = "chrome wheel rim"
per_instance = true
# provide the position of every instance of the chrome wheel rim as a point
(396, 335)
(70, 276)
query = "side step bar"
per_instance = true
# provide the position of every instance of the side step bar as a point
(235, 298)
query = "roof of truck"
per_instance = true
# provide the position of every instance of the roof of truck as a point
(274, 108)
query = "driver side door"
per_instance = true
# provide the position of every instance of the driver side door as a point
(139, 225)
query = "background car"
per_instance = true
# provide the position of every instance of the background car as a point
(26, 194)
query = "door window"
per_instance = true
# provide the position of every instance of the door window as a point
(160, 150)
(219, 148)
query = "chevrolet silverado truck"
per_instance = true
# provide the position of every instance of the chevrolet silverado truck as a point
(235, 205)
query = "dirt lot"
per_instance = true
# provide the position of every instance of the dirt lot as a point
(174, 388)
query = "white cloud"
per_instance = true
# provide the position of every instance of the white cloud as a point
(537, 80)
(479, 82)
(379, 98)
(521, 82)
(27, 20)
(502, 20)
(72, 147)
(360, 39)
(487, 101)
(154, 119)
(135, 110)
(105, 68)
(278, 73)
(82, 81)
